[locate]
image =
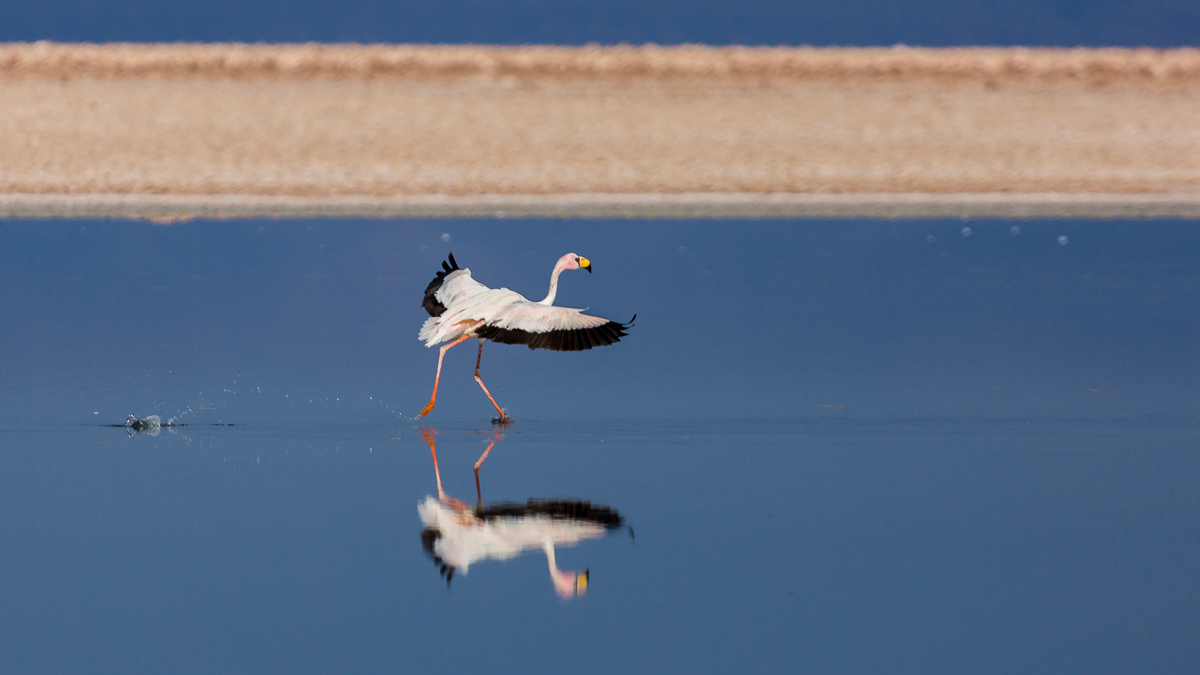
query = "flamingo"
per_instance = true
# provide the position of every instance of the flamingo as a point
(461, 308)
(456, 536)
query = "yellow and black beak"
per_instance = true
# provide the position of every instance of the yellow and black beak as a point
(585, 264)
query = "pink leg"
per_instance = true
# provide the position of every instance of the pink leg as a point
(427, 436)
(442, 355)
(458, 506)
(504, 418)
(479, 463)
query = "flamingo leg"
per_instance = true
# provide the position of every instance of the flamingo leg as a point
(479, 463)
(428, 438)
(458, 506)
(442, 355)
(504, 418)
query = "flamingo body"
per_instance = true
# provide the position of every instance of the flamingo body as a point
(456, 539)
(460, 308)
(459, 305)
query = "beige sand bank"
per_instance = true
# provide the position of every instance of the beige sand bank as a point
(176, 130)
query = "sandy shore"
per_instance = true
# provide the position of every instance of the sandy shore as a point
(172, 131)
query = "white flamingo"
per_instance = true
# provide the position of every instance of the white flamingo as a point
(461, 308)
(457, 536)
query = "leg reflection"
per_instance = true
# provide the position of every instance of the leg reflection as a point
(479, 463)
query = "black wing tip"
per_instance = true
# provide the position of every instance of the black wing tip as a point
(429, 537)
(430, 303)
(449, 265)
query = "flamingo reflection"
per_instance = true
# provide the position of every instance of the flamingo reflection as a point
(456, 535)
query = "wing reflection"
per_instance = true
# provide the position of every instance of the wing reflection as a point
(457, 536)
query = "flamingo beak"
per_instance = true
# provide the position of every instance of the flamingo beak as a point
(585, 264)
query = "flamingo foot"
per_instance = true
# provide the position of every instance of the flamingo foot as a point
(502, 421)
(426, 409)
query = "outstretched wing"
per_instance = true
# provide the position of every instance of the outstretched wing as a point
(561, 329)
(452, 283)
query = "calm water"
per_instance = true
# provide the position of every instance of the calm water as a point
(934, 23)
(843, 446)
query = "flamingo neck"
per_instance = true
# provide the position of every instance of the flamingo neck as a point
(564, 583)
(558, 269)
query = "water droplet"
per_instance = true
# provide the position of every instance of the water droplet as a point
(930, 238)
(446, 237)
(1014, 230)
(1063, 240)
(966, 232)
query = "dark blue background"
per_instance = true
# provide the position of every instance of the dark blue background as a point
(935, 23)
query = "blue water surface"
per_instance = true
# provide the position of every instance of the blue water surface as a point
(848, 446)
(932, 23)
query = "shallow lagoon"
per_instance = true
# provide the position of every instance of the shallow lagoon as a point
(844, 446)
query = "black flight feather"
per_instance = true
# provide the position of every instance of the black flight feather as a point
(430, 303)
(556, 509)
(570, 340)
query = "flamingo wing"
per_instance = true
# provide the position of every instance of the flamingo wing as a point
(547, 327)
(452, 284)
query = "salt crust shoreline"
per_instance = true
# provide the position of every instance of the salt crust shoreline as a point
(174, 208)
(350, 60)
(176, 131)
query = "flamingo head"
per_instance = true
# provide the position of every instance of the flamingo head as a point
(571, 261)
(571, 584)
